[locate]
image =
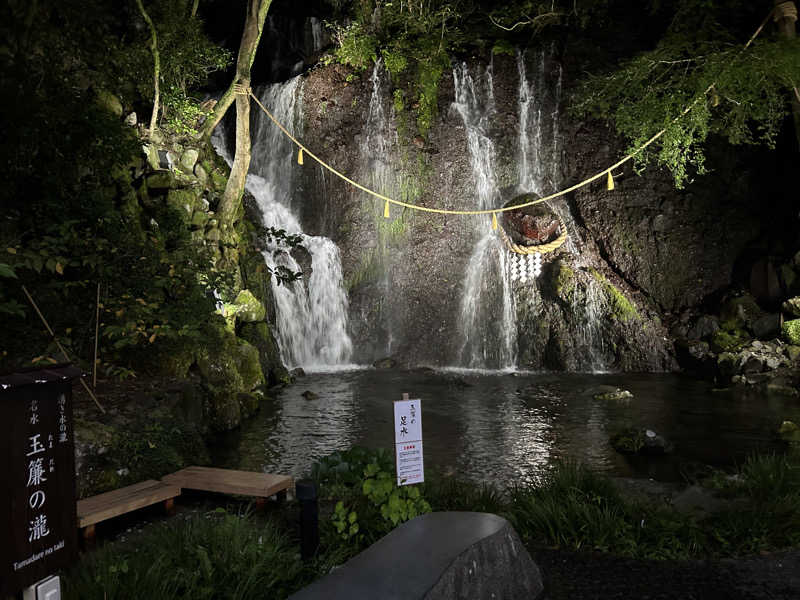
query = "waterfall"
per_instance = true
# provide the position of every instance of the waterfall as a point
(538, 158)
(311, 313)
(488, 313)
(378, 136)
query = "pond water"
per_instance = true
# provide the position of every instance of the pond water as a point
(504, 427)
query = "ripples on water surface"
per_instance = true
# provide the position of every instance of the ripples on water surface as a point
(505, 427)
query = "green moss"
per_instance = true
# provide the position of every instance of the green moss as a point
(503, 47)
(260, 336)
(369, 269)
(562, 280)
(622, 309)
(249, 365)
(248, 308)
(184, 201)
(791, 331)
(728, 340)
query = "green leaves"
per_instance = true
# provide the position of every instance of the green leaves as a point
(652, 91)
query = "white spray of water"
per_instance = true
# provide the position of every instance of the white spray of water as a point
(488, 313)
(311, 318)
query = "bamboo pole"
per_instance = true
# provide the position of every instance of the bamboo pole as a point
(60, 347)
(96, 337)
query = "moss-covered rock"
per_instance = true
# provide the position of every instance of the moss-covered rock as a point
(725, 340)
(741, 311)
(108, 102)
(184, 201)
(260, 336)
(789, 432)
(727, 366)
(622, 308)
(793, 352)
(248, 403)
(791, 332)
(562, 280)
(223, 410)
(614, 395)
(247, 307)
(161, 180)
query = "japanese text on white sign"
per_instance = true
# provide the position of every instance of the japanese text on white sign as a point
(408, 442)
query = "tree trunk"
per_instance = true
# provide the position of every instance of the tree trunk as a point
(156, 65)
(785, 18)
(253, 26)
(232, 198)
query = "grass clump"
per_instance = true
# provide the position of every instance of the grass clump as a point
(215, 555)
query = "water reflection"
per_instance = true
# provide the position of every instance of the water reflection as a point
(507, 427)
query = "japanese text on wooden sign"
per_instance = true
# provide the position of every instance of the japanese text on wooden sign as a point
(38, 521)
(408, 441)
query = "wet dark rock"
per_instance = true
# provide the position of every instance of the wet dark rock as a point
(309, 395)
(385, 363)
(767, 326)
(616, 394)
(704, 327)
(640, 441)
(743, 311)
(297, 372)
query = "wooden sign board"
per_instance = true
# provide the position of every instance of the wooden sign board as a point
(408, 441)
(38, 521)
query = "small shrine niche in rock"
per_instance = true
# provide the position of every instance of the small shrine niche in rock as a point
(529, 233)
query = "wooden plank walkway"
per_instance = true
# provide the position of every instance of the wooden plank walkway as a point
(226, 481)
(124, 500)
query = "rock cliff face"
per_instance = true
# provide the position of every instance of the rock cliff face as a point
(635, 256)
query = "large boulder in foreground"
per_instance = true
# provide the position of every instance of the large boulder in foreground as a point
(437, 556)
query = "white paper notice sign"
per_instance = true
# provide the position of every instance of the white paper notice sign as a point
(408, 442)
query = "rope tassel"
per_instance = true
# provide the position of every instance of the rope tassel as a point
(300, 157)
(386, 210)
(494, 220)
(610, 183)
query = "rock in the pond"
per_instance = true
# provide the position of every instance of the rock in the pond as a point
(616, 394)
(789, 432)
(640, 441)
(385, 363)
(309, 395)
(297, 372)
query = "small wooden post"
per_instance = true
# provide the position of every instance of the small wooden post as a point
(88, 537)
(405, 396)
(169, 506)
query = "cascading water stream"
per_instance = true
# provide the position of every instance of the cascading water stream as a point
(488, 313)
(378, 136)
(311, 316)
(539, 152)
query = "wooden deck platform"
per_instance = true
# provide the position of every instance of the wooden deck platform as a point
(124, 500)
(226, 481)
